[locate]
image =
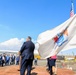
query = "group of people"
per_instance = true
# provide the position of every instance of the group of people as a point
(25, 59)
(9, 59)
(27, 56)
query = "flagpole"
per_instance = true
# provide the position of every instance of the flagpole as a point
(72, 1)
(72, 9)
(72, 5)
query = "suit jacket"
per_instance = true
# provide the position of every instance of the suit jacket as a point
(27, 50)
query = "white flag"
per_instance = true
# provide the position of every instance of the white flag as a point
(71, 44)
(51, 42)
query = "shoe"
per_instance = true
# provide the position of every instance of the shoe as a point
(54, 73)
(18, 69)
(47, 70)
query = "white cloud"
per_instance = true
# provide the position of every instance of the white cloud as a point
(12, 44)
(15, 44)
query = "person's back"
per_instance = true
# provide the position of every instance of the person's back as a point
(27, 56)
(28, 51)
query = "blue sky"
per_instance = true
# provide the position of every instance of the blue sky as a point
(20, 18)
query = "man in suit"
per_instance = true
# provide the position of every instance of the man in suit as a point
(27, 56)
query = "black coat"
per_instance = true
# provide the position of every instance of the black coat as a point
(27, 50)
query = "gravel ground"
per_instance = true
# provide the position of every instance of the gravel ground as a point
(40, 69)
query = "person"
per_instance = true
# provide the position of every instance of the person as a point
(27, 56)
(48, 66)
(52, 65)
(7, 59)
(13, 58)
(10, 61)
(17, 60)
(3, 60)
(35, 61)
(54, 68)
(19, 63)
(0, 60)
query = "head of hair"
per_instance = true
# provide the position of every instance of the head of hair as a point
(29, 38)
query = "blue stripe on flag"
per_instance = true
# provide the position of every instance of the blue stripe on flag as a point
(61, 40)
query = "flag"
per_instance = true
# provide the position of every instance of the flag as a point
(51, 42)
(72, 9)
(71, 44)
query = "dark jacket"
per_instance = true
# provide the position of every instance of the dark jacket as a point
(27, 50)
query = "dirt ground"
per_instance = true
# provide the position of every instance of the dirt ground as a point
(38, 70)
